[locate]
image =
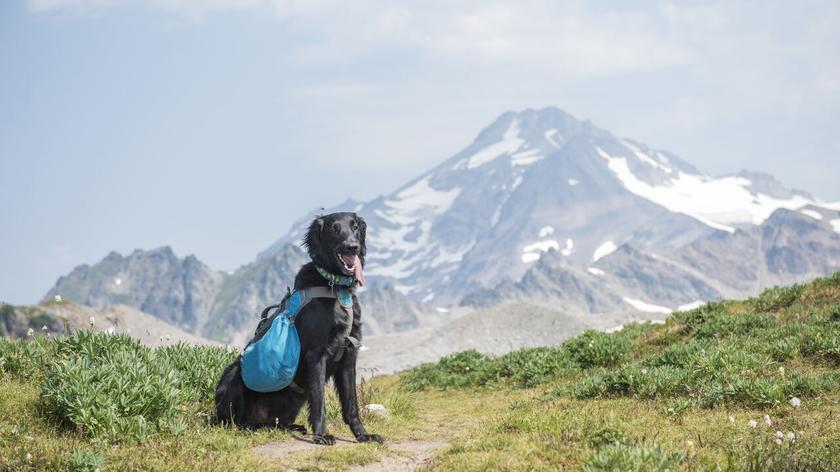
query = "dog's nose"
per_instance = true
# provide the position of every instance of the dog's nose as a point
(352, 247)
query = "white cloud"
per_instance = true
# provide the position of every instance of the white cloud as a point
(670, 74)
(566, 38)
(189, 7)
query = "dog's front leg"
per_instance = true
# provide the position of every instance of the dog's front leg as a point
(316, 373)
(345, 383)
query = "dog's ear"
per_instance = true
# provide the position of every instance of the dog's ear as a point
(312, 240)
(362, 234)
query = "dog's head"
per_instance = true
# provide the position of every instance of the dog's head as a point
(336, 242)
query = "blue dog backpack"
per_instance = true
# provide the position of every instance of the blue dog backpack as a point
(269, 362)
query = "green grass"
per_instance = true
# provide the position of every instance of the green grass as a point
(677, 396)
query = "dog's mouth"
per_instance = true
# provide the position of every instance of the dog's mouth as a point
(350, 264)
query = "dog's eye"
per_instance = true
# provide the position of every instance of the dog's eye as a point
(354, 226)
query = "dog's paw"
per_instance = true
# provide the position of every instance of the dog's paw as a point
(295, 428)
(324, 439)
(370, 437)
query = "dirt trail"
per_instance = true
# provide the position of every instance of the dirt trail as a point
(410, 455)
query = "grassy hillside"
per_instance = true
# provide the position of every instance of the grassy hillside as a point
(740, 385)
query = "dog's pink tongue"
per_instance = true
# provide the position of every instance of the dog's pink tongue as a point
(360, 276)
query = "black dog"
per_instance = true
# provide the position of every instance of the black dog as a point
(336, 244)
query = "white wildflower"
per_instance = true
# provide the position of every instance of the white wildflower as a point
(790, 436)
(28, 456)
(730, 419)
(782, 370)
(58, 298)
(753, 424)
(30, 332)
(795, 402)
(161, 339)
(801, 434)
(168, 337)
(780, 434)
(767, 420)
(92, 321)
(644, 371)
(778, 441)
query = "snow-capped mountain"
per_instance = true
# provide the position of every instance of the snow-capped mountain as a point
(540, 208)
(542, 180)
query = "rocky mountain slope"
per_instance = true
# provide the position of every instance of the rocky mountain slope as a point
(788, 247)
(540, 208)
(53, 318)
(218, 305)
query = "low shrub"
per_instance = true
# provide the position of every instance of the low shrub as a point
(595, 349)
(467, 368)
(822, 343)
(114, 388)
(533, 366)
(624, 457)
(777, 298)
(523, 368)
(199, 368)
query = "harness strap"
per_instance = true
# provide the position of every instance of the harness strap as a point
(345, 336)
(308, 294)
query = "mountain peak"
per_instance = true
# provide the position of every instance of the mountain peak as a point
(539, 182)
(535, 125)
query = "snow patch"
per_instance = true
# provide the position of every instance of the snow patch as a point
(691, 306)
(451, 256)
(118, 281)
(550, 137)
(813, 214)
(646, 307)
(572, 182)
(717, 203)
(494, 220)
(604, 249)
(567, 251)
(509, 144)
(422, 196)
(646, 158)
(428, 297)
(442, 310)
(516, 182)
(836, 225)
(543, 246)
(530, 257)
(533, 251)
(526, 158)
(408, 236)
(595, 271)
(546, 231)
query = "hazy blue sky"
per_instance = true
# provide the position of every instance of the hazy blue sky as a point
(210, 125)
